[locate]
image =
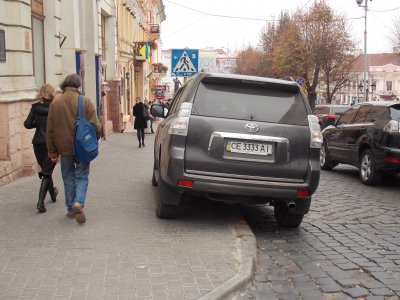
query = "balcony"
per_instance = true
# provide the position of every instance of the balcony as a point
(154, 32)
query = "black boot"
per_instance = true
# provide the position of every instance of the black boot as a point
(53, 191)
(44, 186)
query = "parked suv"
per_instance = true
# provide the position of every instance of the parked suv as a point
(329, 113)
(366, 136)
(238, 139)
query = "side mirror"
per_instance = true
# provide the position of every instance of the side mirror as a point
(159, 111)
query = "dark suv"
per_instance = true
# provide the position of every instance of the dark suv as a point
(366, 136)
(238, 139)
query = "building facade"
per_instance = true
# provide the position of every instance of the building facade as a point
(383, 81)
(42, 41)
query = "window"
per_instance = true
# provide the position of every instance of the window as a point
(388, 86)
(348, 116)
(360, 117)
(243, 101)
(375, 113)
(321, 110)
(395, 112)
(38, 52)
(38, 42)
(103, 36)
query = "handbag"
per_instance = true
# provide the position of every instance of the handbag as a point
(146, 116)
(86, 146)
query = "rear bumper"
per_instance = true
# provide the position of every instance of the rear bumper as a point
(236, 190)
(386, 166)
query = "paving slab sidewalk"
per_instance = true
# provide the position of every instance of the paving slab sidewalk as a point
(123, 251)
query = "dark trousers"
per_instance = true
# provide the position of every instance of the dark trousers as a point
(151, 126)
(140, 135)
(43, 159)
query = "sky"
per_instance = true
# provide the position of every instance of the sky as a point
(185, 27)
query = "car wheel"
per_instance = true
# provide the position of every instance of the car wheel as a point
(368, 173)
(324, 159)
(284, 218)
(165, 210)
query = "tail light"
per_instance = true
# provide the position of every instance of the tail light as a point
(392, 159)
(315, 132)
(329, 116)
(180, 124)
(303, 193)
(185, 183)
(392, 127)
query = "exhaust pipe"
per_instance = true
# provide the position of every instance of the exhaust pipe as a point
(291, 205)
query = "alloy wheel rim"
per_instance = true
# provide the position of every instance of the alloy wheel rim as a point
(366, 167)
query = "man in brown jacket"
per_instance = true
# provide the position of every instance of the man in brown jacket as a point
(60, 135)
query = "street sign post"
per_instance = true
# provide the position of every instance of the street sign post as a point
(184, 62)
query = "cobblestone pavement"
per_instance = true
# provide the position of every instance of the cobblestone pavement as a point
(348, 246)
(123, 251)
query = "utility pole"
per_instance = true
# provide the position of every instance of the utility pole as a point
(365, 90)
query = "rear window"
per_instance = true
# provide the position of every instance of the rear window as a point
(250, 102)
(321, 110)
(339, 110)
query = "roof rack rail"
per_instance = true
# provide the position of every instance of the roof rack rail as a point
(288, 78)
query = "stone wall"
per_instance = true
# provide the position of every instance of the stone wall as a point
(16, 151)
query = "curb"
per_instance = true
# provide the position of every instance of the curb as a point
(248, 254)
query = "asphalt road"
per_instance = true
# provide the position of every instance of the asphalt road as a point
(348, 246)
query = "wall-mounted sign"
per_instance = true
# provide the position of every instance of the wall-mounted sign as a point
(2, 45)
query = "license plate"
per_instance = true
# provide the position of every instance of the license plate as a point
(235, 146)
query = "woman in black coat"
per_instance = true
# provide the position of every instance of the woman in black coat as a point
(141, 113)
(37, 118)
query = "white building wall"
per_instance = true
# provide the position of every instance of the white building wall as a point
(70, 24)
(53, 59)
(17, 90)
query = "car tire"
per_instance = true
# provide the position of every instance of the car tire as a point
(165, 210)
(154, 178)
(284, 218)
(324, 159)
(368, 173)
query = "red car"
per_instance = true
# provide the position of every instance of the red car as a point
(329, 113)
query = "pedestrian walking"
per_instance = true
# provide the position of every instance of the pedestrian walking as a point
(150, 117)
(60, 135)
(37, 119)
(141, 116)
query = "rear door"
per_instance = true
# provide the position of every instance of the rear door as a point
(245, 129)
(356, 132)
(394, 112)
(338, 136)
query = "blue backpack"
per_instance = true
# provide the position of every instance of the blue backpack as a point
(86, 146)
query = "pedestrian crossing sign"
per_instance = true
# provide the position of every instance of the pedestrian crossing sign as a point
(184, 62)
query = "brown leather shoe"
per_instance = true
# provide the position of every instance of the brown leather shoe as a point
(79, 215)
(70, 215)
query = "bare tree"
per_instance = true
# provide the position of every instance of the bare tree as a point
(396, 34)
(313, 44)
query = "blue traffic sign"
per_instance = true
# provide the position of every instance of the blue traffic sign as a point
(300, 81)
(184, 62)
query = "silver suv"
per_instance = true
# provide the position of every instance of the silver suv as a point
(238, 139)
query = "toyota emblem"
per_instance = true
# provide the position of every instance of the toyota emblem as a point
(251, 127)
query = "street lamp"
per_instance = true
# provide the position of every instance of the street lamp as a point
(360, 2)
